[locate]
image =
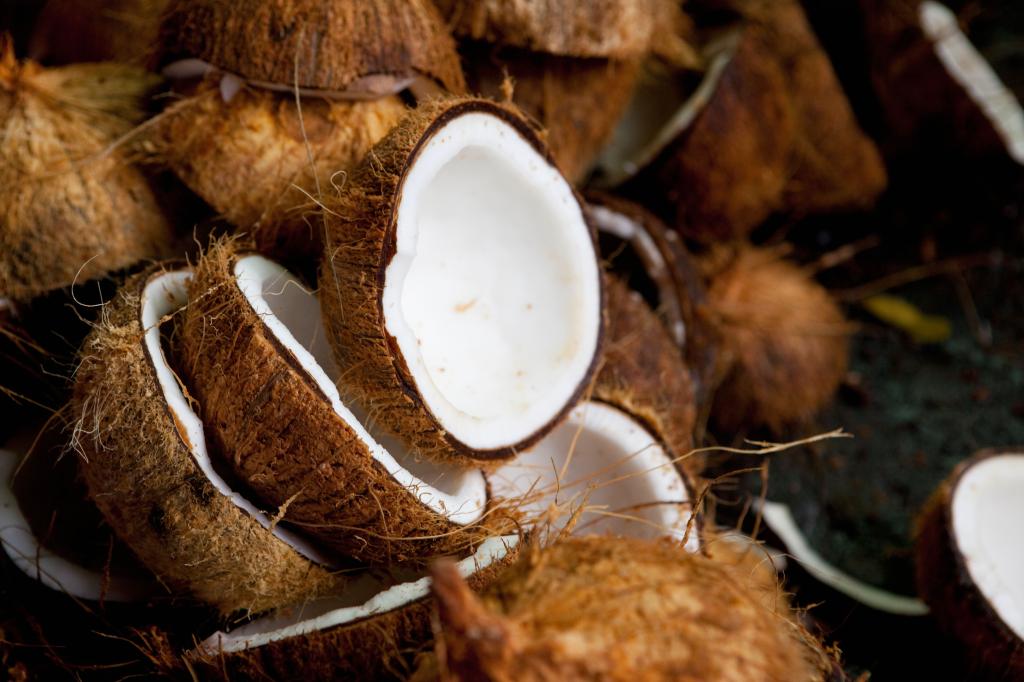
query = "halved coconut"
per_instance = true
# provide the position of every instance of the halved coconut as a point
(256, 358)
(369, 632)
(72, 208)
(461, 287)
(146, 466)
(620, 609)
(970, 559)
(71, 31)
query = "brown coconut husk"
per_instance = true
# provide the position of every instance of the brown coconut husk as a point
(360, 245)
(944, 582)
(279, 435)
(141, 474)
(264, 161)
(783, 342)
(578, 101)
(619, 609)
(70, 31)
(312, 44)
(72, 207)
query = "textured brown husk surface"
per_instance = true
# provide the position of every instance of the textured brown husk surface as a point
(263, 160)
(945, 584)
(70, 31)
(313, 44)
(277, 432)
(620, 609)
(783, 338)
(72, 208)
(360, 242)
(381, 647)
(142, 476)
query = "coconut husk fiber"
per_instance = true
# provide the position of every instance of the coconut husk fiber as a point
(264, 160)
(359, 247)
(72, 207)
(70, 31)
(140, 472)
(619, 609)
(783, 349)
(313, 44)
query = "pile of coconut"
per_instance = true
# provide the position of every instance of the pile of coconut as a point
(411, 317)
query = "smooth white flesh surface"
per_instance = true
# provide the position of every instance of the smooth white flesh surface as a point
(975, 75)
(164, 295)
(332, 612)
(292, 314)
(988, 510)
(40, 563)
(603, 461)
(494, 294)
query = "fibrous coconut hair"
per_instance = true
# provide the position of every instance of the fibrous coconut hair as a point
(71, 31)
(72, 208)
(144, 462)
(255, 357)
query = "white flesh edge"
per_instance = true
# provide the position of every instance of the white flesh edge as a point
(39, 563)
(164, 295)
(643, 132)
(330, 612)
(626, 483)
(628, 230)
(779, 518)
(292, 314)
(494, 294)
(988, 507)
(975, 75)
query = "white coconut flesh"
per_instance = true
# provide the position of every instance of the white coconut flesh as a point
(292, 314)
(987, 509)
(164, 295)
(363, 599)
(975, 75)
(604, 462)
(40, 563)
(494, 292)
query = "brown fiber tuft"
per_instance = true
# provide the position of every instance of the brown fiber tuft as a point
(142, 476)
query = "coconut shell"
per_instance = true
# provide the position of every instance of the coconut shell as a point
(360, 243)
(619, 609)
(313, 44)
(250, 158)
(577, 101)
(70, 31)
(783, 345)
(279, 435)
(72, 208)
(945, 584)
(142, 476)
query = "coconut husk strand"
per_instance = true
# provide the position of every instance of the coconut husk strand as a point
(349, 46)
(618, 609)
(72, 207)
(263, 160)
(969, 565)
(145, 464)
(460, 287)
(783, 346)
(70, 31)
(255, 357)
(371, 631)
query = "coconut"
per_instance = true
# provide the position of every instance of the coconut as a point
(69, 31)
(147, 468)
(970, 560)
(461, 288)
(72, 208)
(368, 632)
(618, 609)
(256, 358)
(783, 346)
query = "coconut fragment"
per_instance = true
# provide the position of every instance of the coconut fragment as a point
(461, 288)
(970, 559)
(256, 358)
(146, 466)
